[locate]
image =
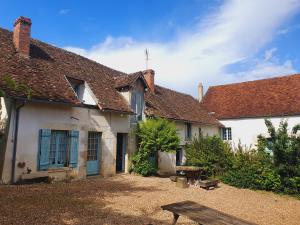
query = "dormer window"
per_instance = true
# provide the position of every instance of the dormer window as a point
(82, 91)
(77, 85)
(137, 105)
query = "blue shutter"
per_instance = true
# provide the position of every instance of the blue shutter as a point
(45, 140)
(74, 136)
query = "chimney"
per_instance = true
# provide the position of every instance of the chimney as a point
(149, 77)
(200, 91)
(21, 37)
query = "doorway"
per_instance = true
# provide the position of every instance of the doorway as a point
(121, 152)
(93, 154)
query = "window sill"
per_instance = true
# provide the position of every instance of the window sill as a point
(60, 169)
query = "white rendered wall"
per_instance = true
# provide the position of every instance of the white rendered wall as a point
(34, 117)
(209, 130)
(88, 96)
(246, 130)
(167, 161)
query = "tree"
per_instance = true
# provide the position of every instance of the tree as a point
(153, 135)
(285, 148)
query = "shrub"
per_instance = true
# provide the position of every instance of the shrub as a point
(252, 169)
(273, 166)
(153, 135)
(285, 148)
(143, 166)
(211, 153)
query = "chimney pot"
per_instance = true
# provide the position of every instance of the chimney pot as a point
(200, 91)
(21, 35)
(149, 77)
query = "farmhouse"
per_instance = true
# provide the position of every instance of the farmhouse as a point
(243, 107)
(80, 117)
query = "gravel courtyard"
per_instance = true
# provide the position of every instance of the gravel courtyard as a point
(128, 199)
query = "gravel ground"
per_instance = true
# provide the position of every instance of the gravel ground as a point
(128, 199)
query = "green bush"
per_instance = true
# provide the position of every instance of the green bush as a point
(211, 153)
(285, 148)
(153, 135)
(273, 166)
(143, 166)
(252, 169)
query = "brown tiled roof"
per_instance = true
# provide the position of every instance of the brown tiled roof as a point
(44, 72)
(128, 80)
(262, 98)
(173, 105)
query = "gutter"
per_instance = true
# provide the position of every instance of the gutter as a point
(13, 167)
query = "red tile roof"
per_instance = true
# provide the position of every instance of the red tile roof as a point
(174, 105)
(46, 70)
(128, 80)
(278, 96)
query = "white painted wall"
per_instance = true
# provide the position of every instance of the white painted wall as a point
(209, 130)
(246, 130)
(167, 161)
(34, 117)
(88, 96)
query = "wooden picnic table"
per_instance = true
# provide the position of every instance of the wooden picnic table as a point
(191, 172)
(202, 215)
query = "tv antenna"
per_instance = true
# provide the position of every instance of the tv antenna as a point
(147, 57)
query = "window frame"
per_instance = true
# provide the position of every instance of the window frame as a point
(226, 133)
(96, 145)
(55, 136)
(137, 96)
(77, 86)
(188, 131)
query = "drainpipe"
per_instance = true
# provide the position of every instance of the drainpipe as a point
(13, 168)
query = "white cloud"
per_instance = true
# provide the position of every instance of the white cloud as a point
(262, 70)
(235, 32)
(270, 53)
(64, 11)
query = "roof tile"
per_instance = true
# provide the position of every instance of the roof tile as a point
(44, 72)
(262, 98)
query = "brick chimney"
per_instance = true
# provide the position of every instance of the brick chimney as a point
(149, 77)
(200, 91)
(21, 37)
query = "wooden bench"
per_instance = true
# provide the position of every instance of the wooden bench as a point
(208, 183)
(31, 178)
(202, 214)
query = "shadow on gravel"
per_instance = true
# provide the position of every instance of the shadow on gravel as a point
(78, 202)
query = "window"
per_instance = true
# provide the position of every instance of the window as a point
(137, 105)
(226, 133)
(78, 86)
(58, 148)
(188, 131)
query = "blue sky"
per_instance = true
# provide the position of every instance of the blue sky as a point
(189, 41)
